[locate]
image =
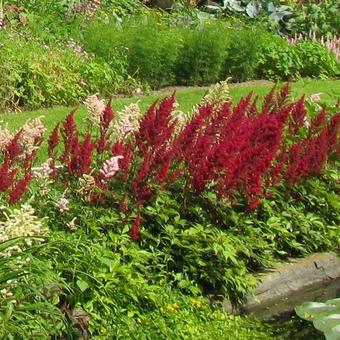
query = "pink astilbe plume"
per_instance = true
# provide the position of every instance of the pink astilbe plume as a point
(110, 167)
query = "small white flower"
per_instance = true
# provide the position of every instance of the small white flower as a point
(316, 97)
(62, 204)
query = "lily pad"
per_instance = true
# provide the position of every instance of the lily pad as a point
(327, 323)
(333, 334)
(310, 310)
(335, 302)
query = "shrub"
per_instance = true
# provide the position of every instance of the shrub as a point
(278, 60)
(321, 17)
(316, 60)
(242, 55)
(202, 54)
(33, 75)
(150, 47)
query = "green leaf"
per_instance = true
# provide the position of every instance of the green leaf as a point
(83, 285)
(335, 302)
(327, 323)
(333, 334)
(310, 310)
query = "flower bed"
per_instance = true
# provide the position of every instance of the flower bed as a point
(137, 209)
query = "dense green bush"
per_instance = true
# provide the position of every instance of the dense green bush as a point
(161, 55)
(149, 47)
(321, 17)
(278, 60)
(201, 57)
(316, 60)
(33, 75)
(242, 54)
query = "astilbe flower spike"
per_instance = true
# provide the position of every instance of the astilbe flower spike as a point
(69, 132)
(135, 232)
(19, 189)
(53, 141)
(81, 156)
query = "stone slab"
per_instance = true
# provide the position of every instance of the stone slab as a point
(314, 278)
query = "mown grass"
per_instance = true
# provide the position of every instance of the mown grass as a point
(187, 98)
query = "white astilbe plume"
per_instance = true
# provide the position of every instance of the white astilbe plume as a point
(95, 106)
(87, 185)
(218, 94)
(21, 222)
(44, 171)
(316, 97)
(179, 116)
(32, 131)
(331, 43)
(62, 204)
(5, 136)
(128, 120)
(110, 167)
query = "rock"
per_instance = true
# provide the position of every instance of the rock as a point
(314, 278)
(163, 4)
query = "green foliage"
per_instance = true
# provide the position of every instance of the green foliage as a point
(278, 60)
(110, 292)
(29, 294)
(325, 316)
(152, 51)
(158, 54)
(33, 75)
(243, 51)
(150, 48)
(322, 18)
(316, 60)
(201, 57)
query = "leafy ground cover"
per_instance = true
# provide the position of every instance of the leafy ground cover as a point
(136, 219)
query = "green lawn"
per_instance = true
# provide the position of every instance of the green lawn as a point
(187, 98)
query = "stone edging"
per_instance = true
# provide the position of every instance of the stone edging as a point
(314, 278)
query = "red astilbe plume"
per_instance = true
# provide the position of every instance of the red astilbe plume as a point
(309, 156)
(318, 122)
(107, 116)
(102, 144)
(69, 133)
(81, 156)
(135, 232)
(154, 141)
(19, 189)
(7, 175)
(333, 133)
(283, 96)
(28, 160)
(124, 149)
(269, 101)
(13, 148)
(156, 127)
(187, 138)
(53, 141)
(298, 116)
(140, 186)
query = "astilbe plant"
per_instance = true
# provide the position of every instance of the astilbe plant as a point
(17, 155)
(238, 151)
